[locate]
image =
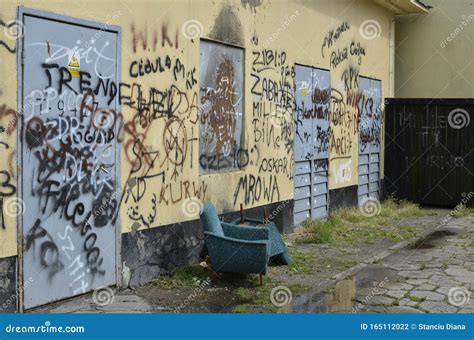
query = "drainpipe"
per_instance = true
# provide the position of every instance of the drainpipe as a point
(392, 59)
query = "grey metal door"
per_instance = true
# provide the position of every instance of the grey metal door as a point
(369, 139)
(69, 156)
(311, 143)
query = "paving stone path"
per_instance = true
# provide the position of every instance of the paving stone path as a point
(436, 276)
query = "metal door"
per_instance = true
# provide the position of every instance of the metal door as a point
(311, 143)
(430, 142)
(369, 139)
(69, 155)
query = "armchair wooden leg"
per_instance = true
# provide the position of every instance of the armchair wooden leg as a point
(261, 279)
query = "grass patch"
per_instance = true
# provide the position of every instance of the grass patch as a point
(297, 289)
(462, 211)
(244, 293)
(400, 233)
(306, 263)
(184, 277)
(322, 231)
(351, 226)
(257, 299)
(301, 263)
(242, 308)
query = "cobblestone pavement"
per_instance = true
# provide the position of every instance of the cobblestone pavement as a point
(434, 276)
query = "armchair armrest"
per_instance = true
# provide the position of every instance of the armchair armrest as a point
(245, 232)
(238, 256)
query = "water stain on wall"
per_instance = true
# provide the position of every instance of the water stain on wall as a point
(227, 27)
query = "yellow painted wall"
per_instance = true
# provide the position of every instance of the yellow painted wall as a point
(297, 28)
(435, 52)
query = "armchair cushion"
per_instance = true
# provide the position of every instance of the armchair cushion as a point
(245, 232)
(210, 220)
(236, 256)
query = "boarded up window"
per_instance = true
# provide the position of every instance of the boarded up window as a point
(221, 106)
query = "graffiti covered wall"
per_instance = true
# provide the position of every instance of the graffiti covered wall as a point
(205, 106)
(9, 121)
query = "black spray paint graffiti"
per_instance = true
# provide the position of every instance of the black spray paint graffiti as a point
(340, 55)
(155, 169)
(8, 122)
(333, 35)
(141, 68)
(272, 126)
(7, 189)
(12, 30)
(370, 119)
(48, 250)
(70, 142)
(319, 114)
(254, 188)
(347, 121)
(273, 99)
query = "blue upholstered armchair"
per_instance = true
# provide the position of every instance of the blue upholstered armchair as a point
(278, 251)
(234, 248)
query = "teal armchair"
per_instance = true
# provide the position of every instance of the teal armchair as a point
(234, 248)
(278, 250)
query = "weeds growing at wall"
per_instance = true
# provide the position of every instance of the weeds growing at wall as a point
(351, 226)
(462, 211)
(185, 277)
